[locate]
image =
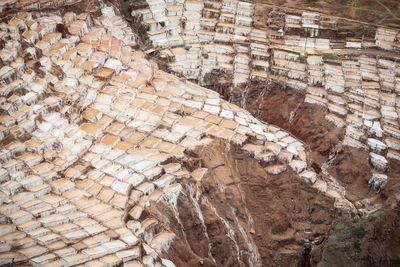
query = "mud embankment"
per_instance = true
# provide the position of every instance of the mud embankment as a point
(285, 107)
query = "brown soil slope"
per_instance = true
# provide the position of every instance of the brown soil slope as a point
(239, 214)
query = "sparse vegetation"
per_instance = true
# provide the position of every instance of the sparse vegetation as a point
(358, 230)
(311, 3)
(207, 78)
(352, 3)
(350, 240)
(347, 238)
(357, 245)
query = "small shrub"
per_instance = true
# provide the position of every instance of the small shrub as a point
(358, 230)
(207, 78)
(311, 3)
(357, 245)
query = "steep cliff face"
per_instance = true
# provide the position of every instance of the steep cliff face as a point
(238, 215)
